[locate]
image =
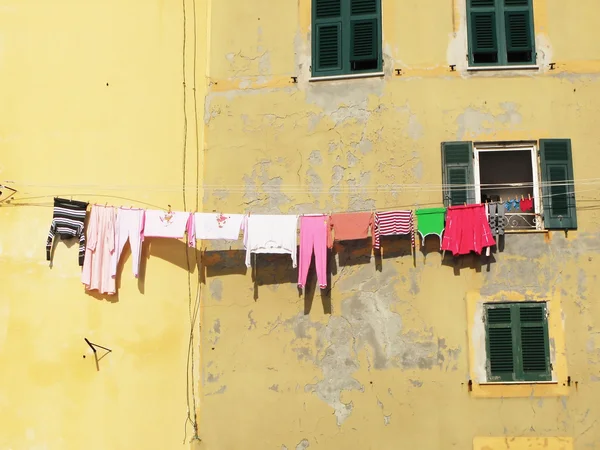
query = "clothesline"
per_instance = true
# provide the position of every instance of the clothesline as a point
(426, 187)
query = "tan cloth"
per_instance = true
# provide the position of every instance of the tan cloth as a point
(349, 226)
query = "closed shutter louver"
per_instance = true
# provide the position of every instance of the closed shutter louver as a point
(328, 48)
(359, 7)
(328, 8)
(519, 48)
(327, 37)
(534, 345)
(364, 35)
(500, 344)
(457, 175)
(557, 184)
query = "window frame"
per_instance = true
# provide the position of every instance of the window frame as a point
(345, 44)
(518, 376)
(499, 10)
(481, 147)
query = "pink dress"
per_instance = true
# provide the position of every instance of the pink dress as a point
(96, 275)
(467, 230)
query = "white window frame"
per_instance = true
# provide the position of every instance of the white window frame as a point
(482, 147)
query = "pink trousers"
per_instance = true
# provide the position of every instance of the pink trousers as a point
(313, 237)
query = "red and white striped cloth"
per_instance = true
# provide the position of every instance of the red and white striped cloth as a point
(389, 223)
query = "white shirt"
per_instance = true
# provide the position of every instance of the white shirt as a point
(218, 226)
(271, 234)
(165, 224)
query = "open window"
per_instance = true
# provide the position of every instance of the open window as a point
(533, 180)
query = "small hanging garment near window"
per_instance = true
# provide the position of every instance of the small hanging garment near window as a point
(215, 226)
(350, 226)
(430, 221)
(166, 224)
(313, 237)
(497, 218)
(67, 222)
(390, 223)
(129, 227)
(467, 230)
(526, 204)
(100, 249)
(271, 234)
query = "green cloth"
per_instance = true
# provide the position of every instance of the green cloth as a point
(430, 221)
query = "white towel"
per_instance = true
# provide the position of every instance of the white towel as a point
(271, 234)
(218, 226)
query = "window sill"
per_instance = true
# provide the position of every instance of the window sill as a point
(347, 77)
(526, 231)
(514, 383)
(502, 68)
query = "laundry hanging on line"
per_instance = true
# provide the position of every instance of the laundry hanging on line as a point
(391, 223)
(467, 230)
(431, 221)
(68, 221)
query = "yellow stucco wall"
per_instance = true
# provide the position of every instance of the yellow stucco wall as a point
(93, 109)
(96, 107)
(382, 360)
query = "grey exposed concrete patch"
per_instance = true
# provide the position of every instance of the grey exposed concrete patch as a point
(416, 383)
(251, 320)
(351, 159)
(215, 332)
(263, 193)
(211, 378)
(315, 158)
(365, 146)
(221, 390)
(303, 444)
(274, 388)
(475, 121)
(216, 289)
(315, 184)
(367, 323)
(345, 99)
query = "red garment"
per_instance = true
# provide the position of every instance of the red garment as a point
(467, 230)
(526, 204)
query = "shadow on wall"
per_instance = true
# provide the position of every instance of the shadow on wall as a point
(274, 269)
(171, 250)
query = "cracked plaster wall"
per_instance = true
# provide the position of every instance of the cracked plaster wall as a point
(382, 359)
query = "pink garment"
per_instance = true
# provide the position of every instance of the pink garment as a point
(313, 236)
(130, 226)
(97, 265)
(467, 230)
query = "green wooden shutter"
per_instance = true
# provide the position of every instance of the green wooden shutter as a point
(483, 34)
(365, 35)
(558, 188)
(327, 37)
(500, 343)
(534, 361)
(457, 161)
(518, 23)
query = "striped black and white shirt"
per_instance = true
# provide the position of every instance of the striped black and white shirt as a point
(67, 222)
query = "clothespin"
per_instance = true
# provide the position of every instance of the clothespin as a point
(529, 195)
(169, 209)
(465, 203)
(522, 198)
(501, 201)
